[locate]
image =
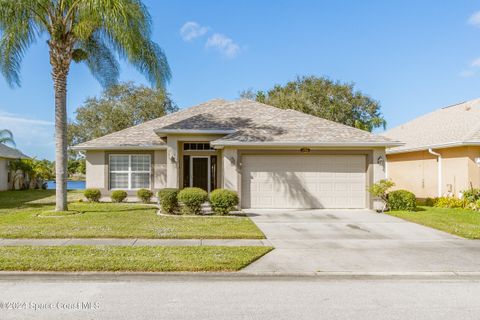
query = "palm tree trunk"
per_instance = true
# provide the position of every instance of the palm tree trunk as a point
(60, 58)
(60, 86)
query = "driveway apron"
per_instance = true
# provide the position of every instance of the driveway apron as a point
(358, 241)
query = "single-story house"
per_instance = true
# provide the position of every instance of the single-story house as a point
(273, 158)
(6, 155)
(441, 154)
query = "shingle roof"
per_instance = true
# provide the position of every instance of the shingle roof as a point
(11, 153)
(450, 126)
(244, 121)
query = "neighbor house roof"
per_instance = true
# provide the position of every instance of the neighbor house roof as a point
(11, 153)
(450, 126)
(241, 122)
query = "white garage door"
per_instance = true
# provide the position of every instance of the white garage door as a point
(310, 181)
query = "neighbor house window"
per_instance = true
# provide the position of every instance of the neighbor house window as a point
(130, 171)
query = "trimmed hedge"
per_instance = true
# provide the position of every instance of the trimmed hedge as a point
(118, 195)
(450, 202)
(192, 200)
(402, 200)
(168, 200)
(144, 195)
(92, 195)
(223, 200)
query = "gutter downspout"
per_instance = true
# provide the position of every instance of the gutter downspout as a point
(439, 159)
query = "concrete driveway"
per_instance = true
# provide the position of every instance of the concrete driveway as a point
(360, 241)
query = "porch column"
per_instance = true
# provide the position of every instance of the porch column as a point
(173, 163)
(230, 170)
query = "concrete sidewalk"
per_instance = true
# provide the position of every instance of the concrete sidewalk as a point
(134, 242)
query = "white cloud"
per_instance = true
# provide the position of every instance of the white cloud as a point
(467, 73)
(11, 118)
(192, 30)
(223, 44)
(475, 63)
(474, 19)
(34, 137)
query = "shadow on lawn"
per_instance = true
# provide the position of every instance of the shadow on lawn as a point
(20, 198)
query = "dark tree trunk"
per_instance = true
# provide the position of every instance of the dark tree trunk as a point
(60, 58)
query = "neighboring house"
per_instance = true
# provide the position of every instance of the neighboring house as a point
(441, 154)
(7, 154)
(273, 158)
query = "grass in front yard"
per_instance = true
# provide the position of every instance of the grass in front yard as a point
(461, 222)
(26, 214)
(110, 258)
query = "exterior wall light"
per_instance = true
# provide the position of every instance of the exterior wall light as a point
(381, 161)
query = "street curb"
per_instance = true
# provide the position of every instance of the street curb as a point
(148, 276)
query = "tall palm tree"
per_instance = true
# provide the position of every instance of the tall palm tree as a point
(6, 137)
(90, 31)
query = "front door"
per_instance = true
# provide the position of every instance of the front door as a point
(200, 172)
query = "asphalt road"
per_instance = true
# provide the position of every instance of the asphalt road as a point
(200, 297)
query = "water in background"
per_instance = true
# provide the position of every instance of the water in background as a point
(71, 185)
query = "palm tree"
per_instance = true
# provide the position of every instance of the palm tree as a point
(90, 31)
(6, 137)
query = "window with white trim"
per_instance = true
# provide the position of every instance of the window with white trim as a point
(130, 171)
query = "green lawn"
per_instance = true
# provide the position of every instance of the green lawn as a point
(461, 222)
(27, 214)
(108, 258)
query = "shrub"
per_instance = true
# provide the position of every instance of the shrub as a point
(475, 206)
(168, 200)
(92, 195)
(192, 200)
(429, 202)
(145, 195)
(449, 202)
(402, 200)
(223, 200)
(118, 195)
(471, 195)
(380, 189)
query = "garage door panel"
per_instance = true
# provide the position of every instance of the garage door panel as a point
(303, 181)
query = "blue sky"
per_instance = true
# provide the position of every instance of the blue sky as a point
(412, 56)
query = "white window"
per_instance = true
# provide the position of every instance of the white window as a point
(130, 171)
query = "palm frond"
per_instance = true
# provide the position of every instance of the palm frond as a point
(126, 29)
(101, 61)
(6, 137)
(19, 28)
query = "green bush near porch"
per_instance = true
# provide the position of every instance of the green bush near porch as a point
(223, 200)
(402, 200)
(192, 200)
(92, 195)
(168, 198)
(119, 195)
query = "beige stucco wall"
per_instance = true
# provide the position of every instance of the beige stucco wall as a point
(166, 170)
(231, 169)
(3, 174)
(96, 169)
(418, 171)
(160, 169)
